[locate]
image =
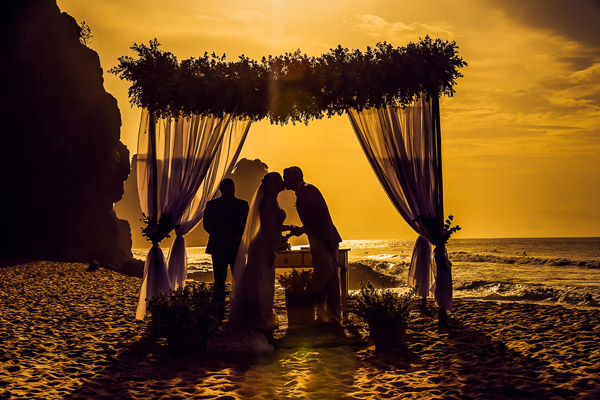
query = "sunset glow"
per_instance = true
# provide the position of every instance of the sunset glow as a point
(521, 137)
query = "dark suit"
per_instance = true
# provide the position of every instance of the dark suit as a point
(315, 217)
(224, 221)
(324, 242)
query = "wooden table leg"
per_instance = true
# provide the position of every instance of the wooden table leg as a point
(344, 287)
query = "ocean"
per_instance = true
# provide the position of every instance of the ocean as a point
(549, 270)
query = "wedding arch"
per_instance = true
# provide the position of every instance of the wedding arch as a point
(197, 113)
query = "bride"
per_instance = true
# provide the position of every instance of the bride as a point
(251, 314)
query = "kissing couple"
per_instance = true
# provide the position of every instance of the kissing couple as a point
(251, 317)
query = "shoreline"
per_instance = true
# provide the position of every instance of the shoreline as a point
(68, 333)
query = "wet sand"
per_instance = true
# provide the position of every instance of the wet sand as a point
(68, 333)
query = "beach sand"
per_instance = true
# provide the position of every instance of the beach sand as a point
(68, 333)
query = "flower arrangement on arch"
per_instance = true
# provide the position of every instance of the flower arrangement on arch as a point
(155, 232)
(292, 87)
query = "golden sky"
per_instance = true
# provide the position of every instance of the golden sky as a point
(521, 137)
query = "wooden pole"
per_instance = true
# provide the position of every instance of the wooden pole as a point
(153, 168)
(435, 103)
(442, 315)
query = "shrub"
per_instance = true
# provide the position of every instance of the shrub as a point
(381, 306)
(188, 310)
(297, 282)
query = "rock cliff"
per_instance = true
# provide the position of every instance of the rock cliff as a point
(62, 165)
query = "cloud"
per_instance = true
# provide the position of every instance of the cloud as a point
(244, 17)
(575, 20)
(378, 27)
(588, 75)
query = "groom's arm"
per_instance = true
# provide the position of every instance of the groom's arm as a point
(243, 216)
(208, 222)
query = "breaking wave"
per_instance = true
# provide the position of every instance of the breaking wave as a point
(510, 291)
(463, 256)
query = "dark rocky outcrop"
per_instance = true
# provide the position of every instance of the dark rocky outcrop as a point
(359, 272)
(62, 165)
(129, 208)
(247, 176)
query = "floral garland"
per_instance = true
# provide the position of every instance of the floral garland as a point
(292, 87)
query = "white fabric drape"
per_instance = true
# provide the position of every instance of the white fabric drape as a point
(400, 145)
(251, 230)
(221, 166)
(192, 155)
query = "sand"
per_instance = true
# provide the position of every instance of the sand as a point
(68, 333)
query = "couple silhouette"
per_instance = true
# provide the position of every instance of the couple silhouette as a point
(250, 250)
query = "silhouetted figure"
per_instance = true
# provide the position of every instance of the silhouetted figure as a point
(246, 176)
(224, 220)
(324, 242)
(251, 319)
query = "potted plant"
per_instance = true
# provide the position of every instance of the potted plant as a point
(386, 312)
(299, 297)
(186, 317)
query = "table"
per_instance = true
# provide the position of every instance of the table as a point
(302, 259)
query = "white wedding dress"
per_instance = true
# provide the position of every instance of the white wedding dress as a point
(251, 311)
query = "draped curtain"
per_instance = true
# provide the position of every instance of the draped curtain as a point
(400, 144)
(192, 155)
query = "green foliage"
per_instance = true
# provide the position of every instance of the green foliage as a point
(85, 34)
(380, 306)
(155, 232)
(297, 282)
(293, 87)
(449, 228)
(185, 310)
(442, 234)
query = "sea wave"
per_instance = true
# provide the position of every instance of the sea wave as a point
(394, 269)
(463, 256)
(510, 291)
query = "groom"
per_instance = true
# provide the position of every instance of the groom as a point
(224, 221)
(324, 242)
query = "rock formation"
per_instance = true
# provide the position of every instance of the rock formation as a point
(247, 175)
(62, 165)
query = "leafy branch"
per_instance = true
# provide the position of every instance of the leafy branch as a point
(154, 231)
(292, 87)
(85, 34)
(441, 235)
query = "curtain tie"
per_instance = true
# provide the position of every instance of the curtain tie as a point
(440, 255)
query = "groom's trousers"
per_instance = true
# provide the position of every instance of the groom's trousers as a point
(221, 261)
(327, 281)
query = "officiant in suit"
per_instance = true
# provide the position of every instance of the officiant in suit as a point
(324, 242)
(224, 221)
